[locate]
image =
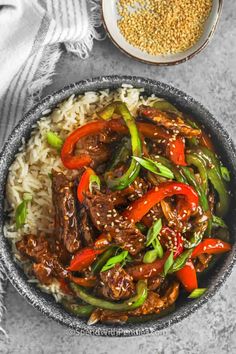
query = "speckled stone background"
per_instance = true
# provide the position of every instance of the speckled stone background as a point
(211, 79)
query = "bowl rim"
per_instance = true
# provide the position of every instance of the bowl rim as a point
(163, 63)
(19, 279)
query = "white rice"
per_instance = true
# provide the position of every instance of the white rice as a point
(35, 160)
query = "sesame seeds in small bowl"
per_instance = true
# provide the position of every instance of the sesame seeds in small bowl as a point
(161, 32)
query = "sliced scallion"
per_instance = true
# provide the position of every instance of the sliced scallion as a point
(197, 293)
(120, 258)
(150, 256)
(180, 261)
(94, 182)
(155, 167)
(21, 210)
(169, 262)
(54, 140)
(218, 222)
(225, 173)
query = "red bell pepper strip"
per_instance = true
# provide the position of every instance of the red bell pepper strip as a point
(83, 185)
(175, 151)
(141, 206)
(83, 259)
(211, 246)
(148, 270)
(188, 276)
(86, 282)
(69, 160)
(172, 240)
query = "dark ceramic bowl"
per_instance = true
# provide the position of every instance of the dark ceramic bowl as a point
(44, 302)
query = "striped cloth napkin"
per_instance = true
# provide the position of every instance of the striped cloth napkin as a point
(31, 36)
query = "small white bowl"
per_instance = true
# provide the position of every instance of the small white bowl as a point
(110, 17)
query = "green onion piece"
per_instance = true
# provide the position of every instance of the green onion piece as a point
(155, 167)
(21, 210)
(114, 260)
(197, 293)
(225, 173)
(54, 140)
(180, 261)
(150, 256)
(153, 232)
(169, 262)
(21, 213)
(94, 182)
(158, 247)
(153, 240)
(102, 259)
(218, 222)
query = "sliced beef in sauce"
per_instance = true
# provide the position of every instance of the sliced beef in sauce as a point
(117, 284)
(155, 283)
(92, 146)
(35, 247)
(136, 190)
(86, 228)
(46, 264)
(66, 225)
(107, 219)
(154, 214)
(171, 215)
(169, 121)
(202, 262)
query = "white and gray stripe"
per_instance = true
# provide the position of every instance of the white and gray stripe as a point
(64, 21)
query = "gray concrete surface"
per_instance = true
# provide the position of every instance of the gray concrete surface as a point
(210, 78)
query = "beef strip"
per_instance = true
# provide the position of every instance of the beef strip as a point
(86, 229)
(91, 145)
(46, 264)
(154, 304)
(171, 215)
(107, 219)
(136, 190)
(202, 262)
(169, 121)
(66, 226)
(154, 214)
(117, 284)
(155, 283)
